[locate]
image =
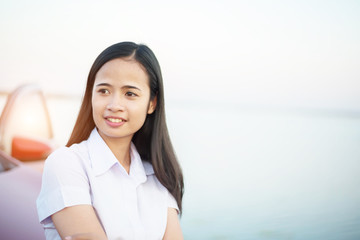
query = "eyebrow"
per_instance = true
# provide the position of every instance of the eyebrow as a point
(103, 84)
(123, 87)
(131, 87)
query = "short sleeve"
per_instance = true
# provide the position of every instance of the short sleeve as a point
(172, 202)
(64, 183)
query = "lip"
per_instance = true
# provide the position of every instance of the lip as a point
(114, 124)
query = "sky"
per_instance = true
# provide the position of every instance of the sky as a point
(292, 54)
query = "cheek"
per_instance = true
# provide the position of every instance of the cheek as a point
(141, 111)
(96, 106)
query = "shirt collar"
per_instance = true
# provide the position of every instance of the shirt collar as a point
(138, 165)
(148, 168)
(102, 159)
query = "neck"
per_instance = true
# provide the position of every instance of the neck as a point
(121, 149)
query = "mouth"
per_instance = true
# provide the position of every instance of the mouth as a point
(115, 120)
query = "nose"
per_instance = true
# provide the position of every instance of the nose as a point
(115, 104)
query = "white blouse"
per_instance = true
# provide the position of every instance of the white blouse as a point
(129, 206)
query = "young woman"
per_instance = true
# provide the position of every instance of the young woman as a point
(118, 177)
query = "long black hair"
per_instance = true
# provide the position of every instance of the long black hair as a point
(152, 140)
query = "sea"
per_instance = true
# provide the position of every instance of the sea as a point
(259, 173)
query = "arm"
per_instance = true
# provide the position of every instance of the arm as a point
(80, 222)
(173, 229)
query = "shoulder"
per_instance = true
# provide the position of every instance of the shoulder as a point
(65, 181)
(159, 187)
(68, 157)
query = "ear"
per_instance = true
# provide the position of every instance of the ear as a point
(152, 105)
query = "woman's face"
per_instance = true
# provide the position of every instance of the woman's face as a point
(121, 99)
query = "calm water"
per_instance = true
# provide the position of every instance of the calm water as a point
(260, 174)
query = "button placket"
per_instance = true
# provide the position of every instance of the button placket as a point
(132, 208)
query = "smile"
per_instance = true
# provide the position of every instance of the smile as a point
(115, 120)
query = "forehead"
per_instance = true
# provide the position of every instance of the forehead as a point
(122, 70)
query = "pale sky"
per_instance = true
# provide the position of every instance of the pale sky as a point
(280, 53)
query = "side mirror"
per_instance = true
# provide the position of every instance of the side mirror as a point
(26, 149)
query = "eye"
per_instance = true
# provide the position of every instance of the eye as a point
(131, 94)
(103, 91)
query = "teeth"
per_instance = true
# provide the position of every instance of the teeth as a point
(115, 120)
